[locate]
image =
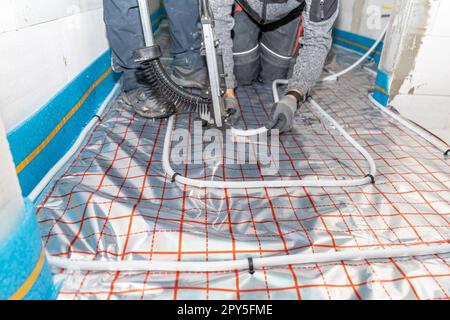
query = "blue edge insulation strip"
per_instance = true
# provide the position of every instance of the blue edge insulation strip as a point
(361, 44)
(19, 256)
(30, 134)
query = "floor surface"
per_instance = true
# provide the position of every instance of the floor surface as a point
(114, 202)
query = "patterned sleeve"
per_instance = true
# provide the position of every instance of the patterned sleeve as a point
(318, 20)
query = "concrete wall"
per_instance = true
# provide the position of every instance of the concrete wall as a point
(417, 59)
(44, 44)
(364, 17)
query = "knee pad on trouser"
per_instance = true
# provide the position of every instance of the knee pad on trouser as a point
(273, 65)
(247, 66)
(245, 49)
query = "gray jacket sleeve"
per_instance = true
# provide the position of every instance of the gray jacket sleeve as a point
(224, 24)
(316, 41)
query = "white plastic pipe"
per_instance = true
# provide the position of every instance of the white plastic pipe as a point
(244, 264)
(176, 177)
(414, 128)
(69, 154)
(249, 133)
(336, 76)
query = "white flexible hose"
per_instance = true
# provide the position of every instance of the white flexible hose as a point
(249, 133)
(316, 183)
(414, 128)
(244, 264)
(335, 76)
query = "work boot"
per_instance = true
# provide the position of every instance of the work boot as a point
(146, 105)
(188, 78)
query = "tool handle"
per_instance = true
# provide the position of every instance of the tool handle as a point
(146, 22)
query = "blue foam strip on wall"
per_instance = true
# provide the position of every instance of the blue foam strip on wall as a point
(356, 42)
(382, 82)
(19, 255)
(30, 134)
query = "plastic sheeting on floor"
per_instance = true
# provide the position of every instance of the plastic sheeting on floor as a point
(113, 202)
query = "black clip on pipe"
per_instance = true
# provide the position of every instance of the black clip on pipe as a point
(251, 266)
(174, 177)
(372, 178)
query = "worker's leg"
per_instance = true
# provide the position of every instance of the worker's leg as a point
(124, 30)
(188, 66)
(125, 34)
(279, 44)
(246, 49)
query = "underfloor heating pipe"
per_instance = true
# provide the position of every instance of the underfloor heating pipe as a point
(251, 264)
(445, 148)
(335, 76)
(368, 179)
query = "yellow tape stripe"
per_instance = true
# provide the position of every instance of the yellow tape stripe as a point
(381, 89)
(377, 52)
(29, 283)
(59, 126)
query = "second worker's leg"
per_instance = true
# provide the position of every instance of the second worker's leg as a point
(279, 44)
(188, 67)
(246, 51)
(124, 31)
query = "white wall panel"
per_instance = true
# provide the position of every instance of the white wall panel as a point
(45, 44)
(87, 32)
(7, 15)
(357, 16)
(32, 69)
(32, 12)
(87, 5)
(39, 61)
(18, 14)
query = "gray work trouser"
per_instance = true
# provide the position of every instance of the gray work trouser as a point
(124, 31)
(264, 52)
(186, 37)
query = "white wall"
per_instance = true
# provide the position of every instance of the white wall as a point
(44, 44)
(363, 16)
(417, 57)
